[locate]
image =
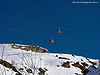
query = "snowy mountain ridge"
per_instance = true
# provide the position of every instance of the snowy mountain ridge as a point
(18, 61)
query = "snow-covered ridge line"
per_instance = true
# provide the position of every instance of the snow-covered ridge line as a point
(34, 63)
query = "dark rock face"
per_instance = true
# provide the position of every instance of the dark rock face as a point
(77, 74)
(64, 58)
(93, 63)
(29, 70)
(84, 70)
(42, 71)
(84, 64)
(8, 65)
(66, 64)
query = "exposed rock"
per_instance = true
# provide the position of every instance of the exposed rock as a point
(81, 59)
(8, 65)
(66, 64)
(99, 61)
(94, 66)
(84, 64)
(77, 74)
(93, 63)
(42, 71)
(29, 70)
(56, 55)
(17, 74)
(45, 69)
(58, 65)
(20, 69)
(32, 48)
(73, 55)
(84, 70)
(64, 58)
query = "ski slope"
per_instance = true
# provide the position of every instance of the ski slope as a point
(50, 62)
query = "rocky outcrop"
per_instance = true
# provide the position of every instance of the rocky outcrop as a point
(64, 58)
(85, 64)
(66, 64)
(84, 69)
(8, 65)
(93, 63)
(32, 48)
(42, 71)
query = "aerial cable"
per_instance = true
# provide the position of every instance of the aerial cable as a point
(46, 24)
(49, 36)
(25, 32)
(77, 31)
(28, 21)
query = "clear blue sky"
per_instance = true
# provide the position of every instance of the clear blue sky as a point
(80, 25)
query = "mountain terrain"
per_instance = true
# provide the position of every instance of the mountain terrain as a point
(17, 59)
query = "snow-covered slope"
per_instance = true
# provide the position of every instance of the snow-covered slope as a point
(33, 63)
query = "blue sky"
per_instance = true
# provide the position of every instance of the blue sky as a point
(33, 22)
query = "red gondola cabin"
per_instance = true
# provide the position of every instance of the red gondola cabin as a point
(51, 41)
(58, 31)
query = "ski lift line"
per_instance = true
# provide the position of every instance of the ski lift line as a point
(17, 30)
(25, 32)
(49, 36)
(27, 21)
(75, 40)
(53, 37)
(46, 24)
(77, 31)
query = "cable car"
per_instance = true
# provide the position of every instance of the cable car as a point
(58, 31)
(51, 41)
